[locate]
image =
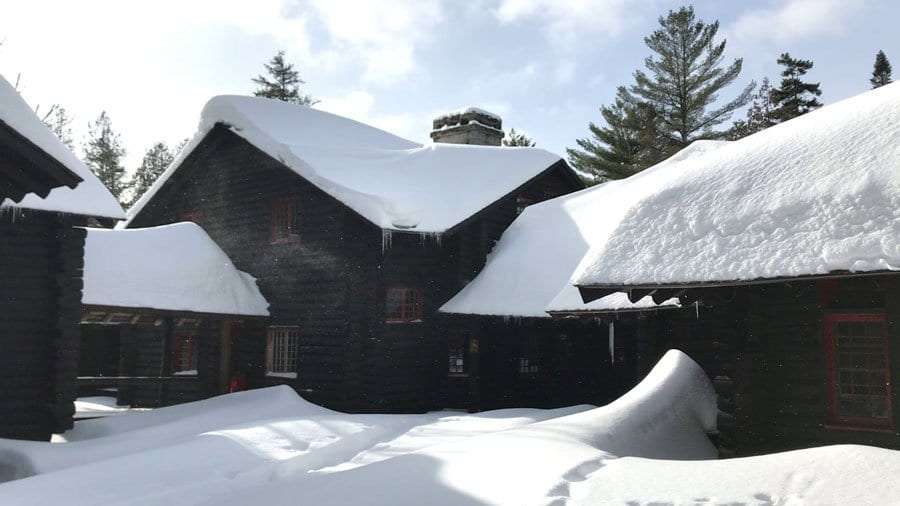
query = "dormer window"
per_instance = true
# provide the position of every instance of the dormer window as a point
(283, 220)
(404, 305)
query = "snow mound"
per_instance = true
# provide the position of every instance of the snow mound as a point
(172, 267)
(392, 182)
(817, 194)
(89, 198)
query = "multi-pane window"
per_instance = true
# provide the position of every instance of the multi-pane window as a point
(527, 365)
(281, 351)
(404, 305)
(859, 393)
(284, 227)
(522, 202)
(184, 353)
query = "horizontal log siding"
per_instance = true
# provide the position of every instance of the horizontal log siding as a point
(41, 259)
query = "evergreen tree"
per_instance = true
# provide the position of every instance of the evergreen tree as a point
(794, 97)
(629, 142)
(103, 153)
(514, 138)
(285, 82)
(154, 163)
(881, 74)
(59, 121)
(684, 77)
(759, 114)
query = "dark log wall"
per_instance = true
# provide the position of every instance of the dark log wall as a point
(331, 280)
(41, 260)
(763, 347)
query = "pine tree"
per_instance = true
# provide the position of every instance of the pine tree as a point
(154, 163)
(794, 97)
(103, 153)
(629, 142)
(514, 138)
(684, 78)
(59, 121)
(759, 114)
(881, 74)
(285, 83)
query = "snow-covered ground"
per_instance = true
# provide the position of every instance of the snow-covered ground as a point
(100, 406)
(271, 447)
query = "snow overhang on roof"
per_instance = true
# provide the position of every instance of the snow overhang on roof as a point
(814, 196)
(87, 198)
(175, 267)
(394, 183)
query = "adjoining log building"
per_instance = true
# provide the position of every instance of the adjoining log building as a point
(788, 244)
(49, 193)
(159, 307)
(356, 237)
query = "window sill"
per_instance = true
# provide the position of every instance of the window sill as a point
(403, 322)
(284, 375)
(192, 372)
(458, 375)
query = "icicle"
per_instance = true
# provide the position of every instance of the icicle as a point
(386, 238)
(612, 342)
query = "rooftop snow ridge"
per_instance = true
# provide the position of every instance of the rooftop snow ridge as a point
(394, 183)
(816, 194)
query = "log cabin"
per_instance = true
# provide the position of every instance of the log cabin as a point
(787, 243)
(50, 193)
(158, 307)
(356, 237)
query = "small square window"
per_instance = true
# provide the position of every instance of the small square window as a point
(281, 351)
(284, 227)
(184, 354)
(527, 366)
(404, 305)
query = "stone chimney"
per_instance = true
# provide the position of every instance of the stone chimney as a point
(470, 126)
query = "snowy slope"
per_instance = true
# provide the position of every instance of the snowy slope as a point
(394, 183)
(271, 447)
(529, 270)
(173, 267)
(817, 194)
(89, 198)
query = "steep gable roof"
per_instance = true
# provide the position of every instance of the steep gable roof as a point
(88, 197)
(811, 196)
(394, 183)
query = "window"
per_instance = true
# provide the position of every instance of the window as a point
(184, 354)
(527, 365)
(522, 202)
(404, 305)
(859, 388)
(192, 215)
(281, 351)
(457, 356)
(283, 226)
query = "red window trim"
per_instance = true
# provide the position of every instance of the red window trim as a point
(192, 215)
(283, 227)
(409, 313)
(178, 346)
(835, 421)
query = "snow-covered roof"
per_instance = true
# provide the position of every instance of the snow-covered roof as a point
(89, 198)
(173, 267)
(394, 183)
(814, 195)
(529, 270)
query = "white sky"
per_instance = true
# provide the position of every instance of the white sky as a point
(544, 65)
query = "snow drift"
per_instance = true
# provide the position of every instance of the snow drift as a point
(89, 198)
(394, 183)
(816, 194)
(174, 267)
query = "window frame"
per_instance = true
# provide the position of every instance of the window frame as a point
(177, 347)
(283, 220)
(458, 353)
(834, 418)
(287, 364)
(409, 311)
